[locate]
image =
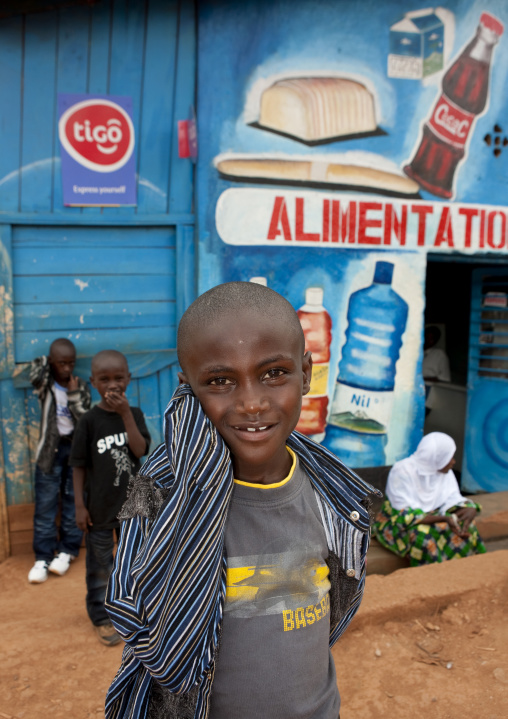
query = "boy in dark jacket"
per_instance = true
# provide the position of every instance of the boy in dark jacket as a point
(64, 398)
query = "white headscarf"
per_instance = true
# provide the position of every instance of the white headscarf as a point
(417, 483)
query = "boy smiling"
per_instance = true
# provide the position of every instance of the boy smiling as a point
(249, 378)
(238, 532)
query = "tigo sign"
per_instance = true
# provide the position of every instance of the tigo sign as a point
(98, 134)
(97, 140)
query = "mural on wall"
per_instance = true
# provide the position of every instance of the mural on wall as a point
(465, 95)
(420, 43)
(363, 395)
(344, 149)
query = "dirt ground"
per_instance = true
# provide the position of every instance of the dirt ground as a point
(444, 659)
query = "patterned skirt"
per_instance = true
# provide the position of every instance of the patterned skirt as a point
(398, 530)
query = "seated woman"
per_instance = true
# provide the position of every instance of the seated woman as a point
(425, 516)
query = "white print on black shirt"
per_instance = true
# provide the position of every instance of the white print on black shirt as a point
(123, 464)
(119, 439)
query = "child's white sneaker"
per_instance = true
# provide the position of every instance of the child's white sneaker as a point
(61, 563)
(39, 572)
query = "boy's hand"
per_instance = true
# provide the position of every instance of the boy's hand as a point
(118, 402)
(73, 384)
(83, 519)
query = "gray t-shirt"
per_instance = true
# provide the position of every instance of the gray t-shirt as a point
(274, 658)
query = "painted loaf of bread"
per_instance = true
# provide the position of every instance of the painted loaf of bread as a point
(314, 109)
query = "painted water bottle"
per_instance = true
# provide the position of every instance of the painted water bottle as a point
(465, 93)
(363, 397)
(317, 329)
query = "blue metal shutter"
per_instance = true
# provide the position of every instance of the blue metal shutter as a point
(485, 466)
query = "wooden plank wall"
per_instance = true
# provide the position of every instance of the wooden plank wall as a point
(97, 286)
(142, 49)
(104, 277)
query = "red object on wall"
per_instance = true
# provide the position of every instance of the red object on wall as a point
(183, 138)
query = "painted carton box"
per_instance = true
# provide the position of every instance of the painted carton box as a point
(416, 45)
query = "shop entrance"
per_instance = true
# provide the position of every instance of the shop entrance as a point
(467, 300)
(447, 307)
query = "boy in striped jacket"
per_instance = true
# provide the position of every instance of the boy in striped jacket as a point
(242, 551)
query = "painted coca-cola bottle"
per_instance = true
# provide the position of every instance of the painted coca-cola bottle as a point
(317, 329)
(464, 96)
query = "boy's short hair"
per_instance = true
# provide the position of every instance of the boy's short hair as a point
(61, 343)
(106, 354)
(231, 297)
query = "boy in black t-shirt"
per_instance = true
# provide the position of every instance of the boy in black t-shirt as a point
(108, 443)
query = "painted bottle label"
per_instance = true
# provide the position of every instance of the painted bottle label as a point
(450, 122)
(319, 380)
(361, 410)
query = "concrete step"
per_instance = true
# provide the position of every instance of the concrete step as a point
(495, 545)
(493, 520)
(382, 561)
(492, 525)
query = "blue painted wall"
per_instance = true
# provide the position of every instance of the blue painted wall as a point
(103, 277)
(144, 50)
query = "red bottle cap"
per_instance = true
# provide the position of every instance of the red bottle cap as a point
(492, 23)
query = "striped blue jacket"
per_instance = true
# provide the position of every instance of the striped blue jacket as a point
(167, 589)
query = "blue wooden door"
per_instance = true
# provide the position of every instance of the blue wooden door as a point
(485, 464)
(101, 288)
(103, 277)
(142, 49)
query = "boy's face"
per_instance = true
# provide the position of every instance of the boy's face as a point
(62, 360)
(249, 373)
(110, 377)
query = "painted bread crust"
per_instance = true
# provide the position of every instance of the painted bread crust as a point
(318, 172)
